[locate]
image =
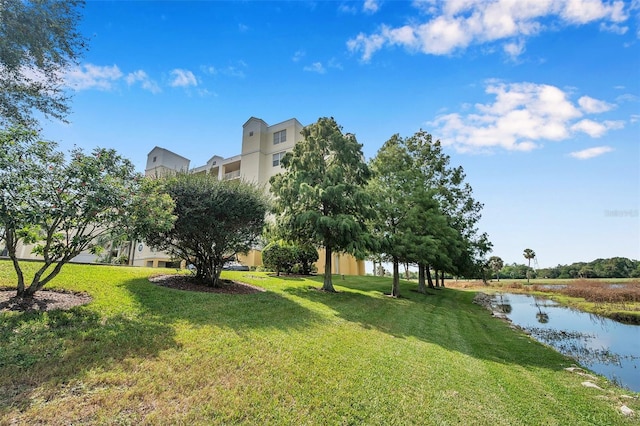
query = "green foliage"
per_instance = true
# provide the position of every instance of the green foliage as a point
(278, 257)
(615, 267)
(320, 196)
(39, 41)
(215, 221)
(496, 264)
(290, 258)
(62, 207)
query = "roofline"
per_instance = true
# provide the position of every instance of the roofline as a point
(168, 150)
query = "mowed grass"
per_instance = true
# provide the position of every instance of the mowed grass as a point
(144, 354)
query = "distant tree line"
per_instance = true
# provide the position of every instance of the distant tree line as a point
(615, 267)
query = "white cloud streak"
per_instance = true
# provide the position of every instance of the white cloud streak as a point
(316, 67)
(522, 117)
(453, 25)
(183, 78)
(89, 76)
(146, 83)
(370, 6)
(588, 153)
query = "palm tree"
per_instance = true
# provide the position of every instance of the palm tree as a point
(529, 254)
(495, 263)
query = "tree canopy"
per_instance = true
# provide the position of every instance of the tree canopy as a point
(60, 207)
(321, 197)
(39, 41)
(216, 220)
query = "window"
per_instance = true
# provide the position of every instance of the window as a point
(154, 159)
(251, 133)
(279, 137)
(277, 157)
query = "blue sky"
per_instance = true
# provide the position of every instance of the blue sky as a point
(538, 100)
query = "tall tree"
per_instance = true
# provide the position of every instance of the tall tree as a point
(496, 264)
(459, 251)
(390, 187)
(216, 220)
(39, 41)
(62, 207)
(529, 254)
(321, 197)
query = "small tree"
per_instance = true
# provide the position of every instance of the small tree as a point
(529, 254)
(320, 197)
(62, 207)
(216, 220)
(496, 264)
(278, 257)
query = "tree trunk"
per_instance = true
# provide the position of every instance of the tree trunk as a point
(435, 272)
(10, 240)
(395, 289)
(328, 285)
(422, 286)
(427, 269)
(442, 278)
(374, 268)
(406, 271)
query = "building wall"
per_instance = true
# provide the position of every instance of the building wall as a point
(161, 162)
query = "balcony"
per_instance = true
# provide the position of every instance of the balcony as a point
(231, 175)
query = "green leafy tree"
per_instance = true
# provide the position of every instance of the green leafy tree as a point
(215, 221)
(39, 41)
(393, 179)
(306, 256)
(61, 208)
(496, 264)
(321, 197)
(529, 254)
(455, 245)
(279, 257)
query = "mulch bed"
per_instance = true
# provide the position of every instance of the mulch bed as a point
(43, 300)
(187, 283)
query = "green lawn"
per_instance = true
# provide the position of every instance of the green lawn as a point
(143, 354)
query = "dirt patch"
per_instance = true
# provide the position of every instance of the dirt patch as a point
(187, 283)
(43, 300)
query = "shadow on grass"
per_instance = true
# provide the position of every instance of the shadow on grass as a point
(236, 311)
(446, 317)
(57, 347)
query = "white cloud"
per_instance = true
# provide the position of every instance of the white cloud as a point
(521, 117)
(514, 49)
(89, 76)
(590, 127)
(583, 11)
(235, 70)
(183, 78)
(591, 105)
(316, 67)
(448, 26)
(585, 154)
(298, 55)
(146, 83)
(370, 6)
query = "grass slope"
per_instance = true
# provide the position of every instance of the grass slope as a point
(143, 354)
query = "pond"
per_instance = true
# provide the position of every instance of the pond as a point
(606, 347)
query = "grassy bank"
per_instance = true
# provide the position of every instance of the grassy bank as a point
(143, 354)
(615, 298)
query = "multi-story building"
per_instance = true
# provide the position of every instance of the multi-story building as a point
(263, 146)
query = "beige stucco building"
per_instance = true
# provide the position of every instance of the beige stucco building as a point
(263, 146)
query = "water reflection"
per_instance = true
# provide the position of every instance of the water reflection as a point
(603, 345)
